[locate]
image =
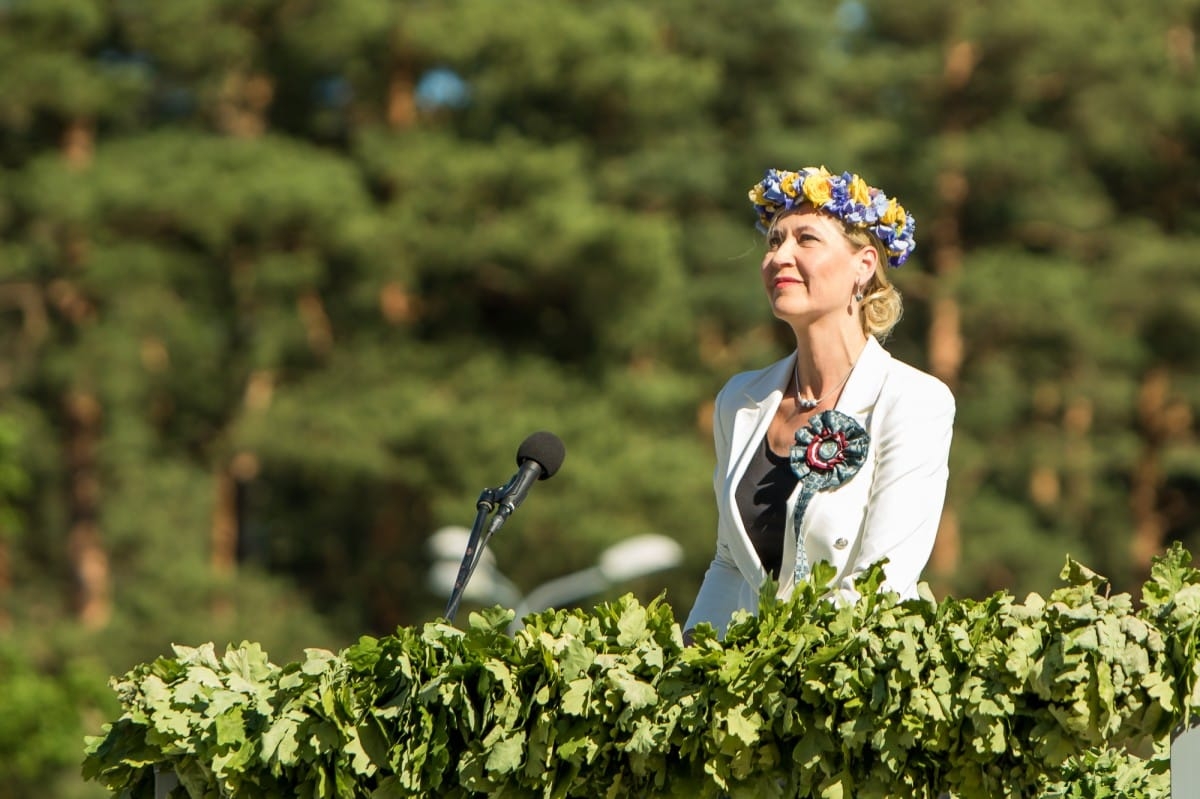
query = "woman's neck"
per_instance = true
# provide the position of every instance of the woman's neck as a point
(825, 357)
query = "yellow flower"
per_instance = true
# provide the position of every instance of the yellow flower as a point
(893, 212)
(860, 192)
(816, 189)
(788, 184)
(757, 195)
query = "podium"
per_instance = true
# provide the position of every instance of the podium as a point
(1185, 762)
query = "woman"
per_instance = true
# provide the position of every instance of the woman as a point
(837, 452)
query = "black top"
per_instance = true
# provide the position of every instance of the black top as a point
(762, 497)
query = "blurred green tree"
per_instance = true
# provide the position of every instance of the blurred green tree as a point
(1050, 150)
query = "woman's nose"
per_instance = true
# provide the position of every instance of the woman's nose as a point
(785, 253)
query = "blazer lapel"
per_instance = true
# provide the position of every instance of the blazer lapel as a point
(866, 381)
(761, 399)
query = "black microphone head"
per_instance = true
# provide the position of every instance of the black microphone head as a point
(545, 449)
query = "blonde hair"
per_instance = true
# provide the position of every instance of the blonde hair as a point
(881, 306)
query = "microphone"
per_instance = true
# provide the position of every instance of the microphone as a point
(539, 457)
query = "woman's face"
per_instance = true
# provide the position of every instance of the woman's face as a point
(810, 269)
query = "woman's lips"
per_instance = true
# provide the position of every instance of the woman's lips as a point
(784, 280)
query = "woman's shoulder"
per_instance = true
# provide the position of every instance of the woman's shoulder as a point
(754, 384)
(906, 385)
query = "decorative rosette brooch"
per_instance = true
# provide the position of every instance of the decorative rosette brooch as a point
(828, 453)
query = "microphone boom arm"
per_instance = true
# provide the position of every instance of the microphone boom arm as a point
(483, 507)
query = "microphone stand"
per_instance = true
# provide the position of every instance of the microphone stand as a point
(508, 497)
(485, 505)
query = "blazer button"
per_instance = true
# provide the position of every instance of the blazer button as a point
(841, 543)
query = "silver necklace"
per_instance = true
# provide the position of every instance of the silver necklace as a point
(806, 404)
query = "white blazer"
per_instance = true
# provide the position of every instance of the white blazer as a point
(889, 509)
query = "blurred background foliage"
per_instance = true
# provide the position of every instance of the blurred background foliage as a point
(284, 284)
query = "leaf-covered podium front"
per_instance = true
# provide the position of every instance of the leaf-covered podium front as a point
(1072, 695)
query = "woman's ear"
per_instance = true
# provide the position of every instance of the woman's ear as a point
(867, 263)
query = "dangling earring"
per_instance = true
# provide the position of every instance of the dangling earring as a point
(858, 295)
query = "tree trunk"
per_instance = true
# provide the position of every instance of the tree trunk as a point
(1080, 457)
(92, 595)
(1149, 528)
(242, 104)
(79, 142)
(229, 483)
(223, 555)
(402, 97)
(224, 537)
(388, 550)
(945, 327)
(317, 327)
(89, 562)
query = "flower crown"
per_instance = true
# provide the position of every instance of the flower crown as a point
(846, 196)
